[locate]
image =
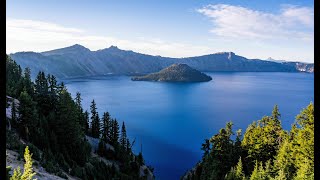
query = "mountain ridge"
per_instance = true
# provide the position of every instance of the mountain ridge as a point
(77, 61)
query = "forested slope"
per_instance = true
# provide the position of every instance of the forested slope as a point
(55, 127)
(265, 151)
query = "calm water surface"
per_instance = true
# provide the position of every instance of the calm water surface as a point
(171, 120)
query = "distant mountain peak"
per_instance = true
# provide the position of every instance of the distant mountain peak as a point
(76, 48)
(113, 47)
(225, 52)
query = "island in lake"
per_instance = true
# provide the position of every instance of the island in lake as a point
(175, 73)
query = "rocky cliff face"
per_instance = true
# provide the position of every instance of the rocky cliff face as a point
(175, 73)
(76, 61)
(302, 67)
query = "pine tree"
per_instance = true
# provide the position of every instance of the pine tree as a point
(86, 119)
(28, 170)
(206, 147)
(262, 172)
(281, 175)
(105, 126)
(128, 147)
(80, 115)
(284, 161)
(27, 82)
(236, 173)
(239, 170)
(41, 86)
(61, 88)
(268, 170)
(93, 109)
(221, 152)
(14, 80)
(27, 114)
(140, 159)
(112, 130)
(255, 173)
(276, 115)
(116, 132)
(78, 100)
(68, 131)
(95, 126)
(262, 139)
(95, 121)
(16, 174)
(42, 96)
(303, 142)
(237, 152)
(123, 136)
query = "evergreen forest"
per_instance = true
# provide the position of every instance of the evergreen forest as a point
(56, 129)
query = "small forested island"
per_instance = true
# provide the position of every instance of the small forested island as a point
(175, 73)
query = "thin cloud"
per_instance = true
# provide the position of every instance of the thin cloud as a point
(30, 35)
(40, 26)
(237, 22)
(39, 36)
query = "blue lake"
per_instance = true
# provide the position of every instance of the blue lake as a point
(171, 120)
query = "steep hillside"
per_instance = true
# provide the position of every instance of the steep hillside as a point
(42, 115)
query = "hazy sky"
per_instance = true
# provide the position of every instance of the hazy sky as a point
(281, 29)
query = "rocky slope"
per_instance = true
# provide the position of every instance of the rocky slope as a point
(76, 60)
(175, 73)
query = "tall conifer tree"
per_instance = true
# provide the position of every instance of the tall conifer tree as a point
(123, 136)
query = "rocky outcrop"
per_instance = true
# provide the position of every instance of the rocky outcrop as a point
(302, 67)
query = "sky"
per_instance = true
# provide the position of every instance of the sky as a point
(280, 29)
